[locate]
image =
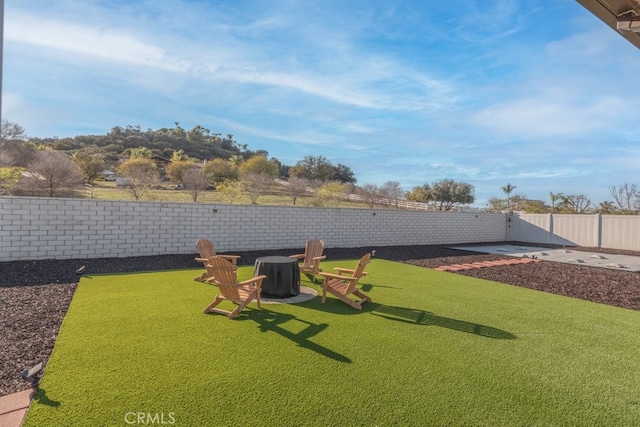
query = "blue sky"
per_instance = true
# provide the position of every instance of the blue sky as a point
(536, 93)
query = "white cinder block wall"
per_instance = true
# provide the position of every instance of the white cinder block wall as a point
(52, 228)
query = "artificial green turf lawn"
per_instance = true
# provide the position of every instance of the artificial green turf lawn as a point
(434, 348)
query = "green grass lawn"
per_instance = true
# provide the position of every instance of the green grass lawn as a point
(434, 348)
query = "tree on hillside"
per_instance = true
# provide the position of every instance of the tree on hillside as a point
(256, 184)
(420, 194)
(496, 204)
(179, 156)
(507, 190)
(17, 153)
(576, 203)
(9, 177)
(606, 208)
(231, 189)
(11, 131)
(53, 171)
(370, 194)
(626, 196)
(141, 175)
(392, 192)
(448, 193)
(195, 181)
(534, 206)
(221, 170)
(320, 168)
(297, 187)
(140, 152)
(260, 165)
(91, 162)
(330, 194)
(555, 198)
(344, 174)
(176, 169)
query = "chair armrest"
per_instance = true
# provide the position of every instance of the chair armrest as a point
(319, 258)
(336, 276)
(253, 280)
(344, 270)
(297, 256)
(232, 258)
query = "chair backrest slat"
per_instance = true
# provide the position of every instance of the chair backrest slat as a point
(224, 275)
(313, 248)
(359, 272)
(205, 248)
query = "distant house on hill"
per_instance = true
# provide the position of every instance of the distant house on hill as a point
(108, 175)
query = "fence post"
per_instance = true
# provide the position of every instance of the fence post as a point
(550, 235)
(598, 230)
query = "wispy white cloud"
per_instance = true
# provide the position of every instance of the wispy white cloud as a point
(111, 44)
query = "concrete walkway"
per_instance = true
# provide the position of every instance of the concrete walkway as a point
(14, 407)
(566, 255)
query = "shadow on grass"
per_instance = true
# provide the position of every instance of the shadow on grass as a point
(421, 317)
(41, 398)
(271, 321)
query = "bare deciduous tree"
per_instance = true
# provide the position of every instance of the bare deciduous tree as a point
(256, 184)
(626, 197)
(297, 187)
(17, 153)
(576, 203)
(53, 171)
(11, 131)
(391, 191)
(141, 175)
(370, 194)
(195, 181)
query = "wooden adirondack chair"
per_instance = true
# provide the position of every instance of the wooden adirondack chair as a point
(206, 251)
(223, 275)
(344, 283)
(313, 254)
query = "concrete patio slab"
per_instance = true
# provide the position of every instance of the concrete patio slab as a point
(306, 293)
(566, 255)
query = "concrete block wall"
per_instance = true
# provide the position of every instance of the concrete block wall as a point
(52, 228)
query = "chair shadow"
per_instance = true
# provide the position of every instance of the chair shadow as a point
(270, 321)
(41, 398)
(421, 317)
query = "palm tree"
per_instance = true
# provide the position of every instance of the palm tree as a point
(507, 190)
(554, 198)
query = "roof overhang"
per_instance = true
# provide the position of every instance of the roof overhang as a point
(621, 15)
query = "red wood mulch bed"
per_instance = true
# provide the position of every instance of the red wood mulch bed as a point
(35, 295)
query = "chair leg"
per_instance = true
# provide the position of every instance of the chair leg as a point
(239, 308)
(344, 298)
(211, 307)
(363, 297)
(324, 293)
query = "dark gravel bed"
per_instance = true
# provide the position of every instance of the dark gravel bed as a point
(35, 295)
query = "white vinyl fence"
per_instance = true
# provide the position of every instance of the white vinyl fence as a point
(51, 228)
(606, 231)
